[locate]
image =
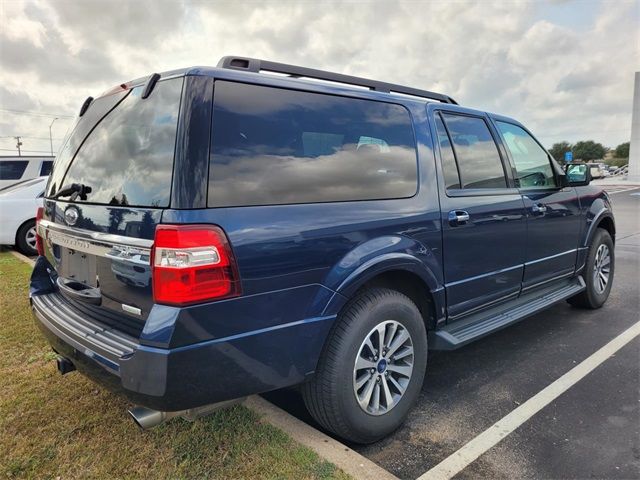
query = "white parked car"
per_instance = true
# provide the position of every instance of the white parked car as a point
(16, 169)
(598, 170)
(18, 206)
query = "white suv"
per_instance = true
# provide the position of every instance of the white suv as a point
(16, 169)
(18, 206)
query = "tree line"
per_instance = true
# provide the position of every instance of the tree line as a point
(589, 150)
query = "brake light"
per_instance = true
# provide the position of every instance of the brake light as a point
(193, 264)
(39, 243)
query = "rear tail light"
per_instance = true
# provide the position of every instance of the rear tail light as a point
(193, 264)
(39, 243)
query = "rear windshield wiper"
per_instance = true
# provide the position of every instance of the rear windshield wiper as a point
(74, 190)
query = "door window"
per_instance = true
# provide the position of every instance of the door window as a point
(449, 167)
(532, 164)
(476, 152)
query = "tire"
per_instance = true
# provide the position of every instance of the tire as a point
(25, 238)
(330, 396)
(595, 294)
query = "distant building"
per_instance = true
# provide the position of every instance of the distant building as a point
(634, 152)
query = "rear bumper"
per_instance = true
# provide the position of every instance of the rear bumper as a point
(187, 376)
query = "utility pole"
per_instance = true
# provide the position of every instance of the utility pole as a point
(18, 145)
(50, 137)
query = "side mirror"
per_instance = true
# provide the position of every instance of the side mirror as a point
(577, 174)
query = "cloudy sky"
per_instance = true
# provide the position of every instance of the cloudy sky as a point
(564, 68)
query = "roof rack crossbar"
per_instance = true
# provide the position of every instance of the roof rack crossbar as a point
(256, 66)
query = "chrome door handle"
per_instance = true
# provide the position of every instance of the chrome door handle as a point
(458, 217)
(539, 208)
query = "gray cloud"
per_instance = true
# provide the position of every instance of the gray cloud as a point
(564, 82)
(133, 24)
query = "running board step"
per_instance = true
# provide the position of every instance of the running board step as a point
(483, 323)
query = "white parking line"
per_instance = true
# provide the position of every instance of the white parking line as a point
(459, 460)
(622, 190)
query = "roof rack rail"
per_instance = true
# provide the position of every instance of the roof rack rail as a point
(256, 66)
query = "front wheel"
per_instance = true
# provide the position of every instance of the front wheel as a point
(372, 367)
(598, 272)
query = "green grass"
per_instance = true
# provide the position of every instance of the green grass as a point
(68, 427)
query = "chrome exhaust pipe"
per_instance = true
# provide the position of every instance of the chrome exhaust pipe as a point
(147, 418)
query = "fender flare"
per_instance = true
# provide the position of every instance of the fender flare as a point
(384, 263)
(393, 261)
(591, 230)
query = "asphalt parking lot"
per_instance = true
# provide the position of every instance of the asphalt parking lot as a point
(590, 431)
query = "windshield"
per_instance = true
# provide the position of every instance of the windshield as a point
(127, 159)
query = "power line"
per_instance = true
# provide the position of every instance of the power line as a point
(30, 151)
(31, 138)
(35, 114)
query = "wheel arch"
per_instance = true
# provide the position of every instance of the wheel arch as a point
(604, 219)
(609, 225)
(411, 285)
(410, 278)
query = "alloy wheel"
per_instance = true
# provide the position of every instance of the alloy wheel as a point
(602, 268)
(383, 367)
(30, 238)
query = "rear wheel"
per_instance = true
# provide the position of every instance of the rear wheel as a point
(598, 272)
(26, 238)
(372, 368)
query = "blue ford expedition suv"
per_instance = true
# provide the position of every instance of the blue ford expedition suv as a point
(212, 233)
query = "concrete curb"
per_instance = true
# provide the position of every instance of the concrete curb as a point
(22, 257)
(340, 455)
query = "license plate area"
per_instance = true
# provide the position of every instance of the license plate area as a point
(78, 266)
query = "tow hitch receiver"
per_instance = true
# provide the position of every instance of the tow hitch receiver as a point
(64, 365)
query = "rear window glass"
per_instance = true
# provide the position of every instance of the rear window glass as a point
(276, 146)
(97, 110)
(12, 169)
(128, 158)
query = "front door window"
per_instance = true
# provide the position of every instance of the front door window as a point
(532, 164)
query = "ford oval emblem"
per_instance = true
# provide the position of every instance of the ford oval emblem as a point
(71, 215)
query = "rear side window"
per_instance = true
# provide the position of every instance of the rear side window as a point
(12, 169)
(476, 152)
(128, 158)
(276, 146)
(45, 168)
